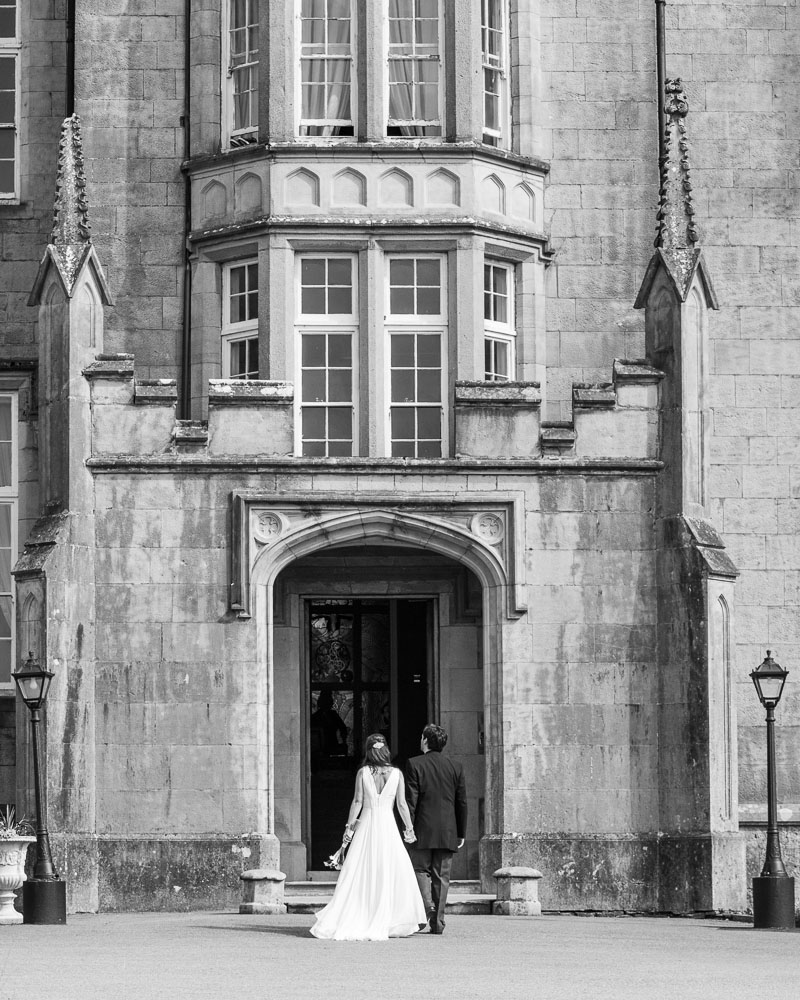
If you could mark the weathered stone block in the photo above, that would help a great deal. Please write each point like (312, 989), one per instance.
(262, 891)
(517, 892)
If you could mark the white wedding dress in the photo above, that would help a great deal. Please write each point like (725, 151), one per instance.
(376, 896)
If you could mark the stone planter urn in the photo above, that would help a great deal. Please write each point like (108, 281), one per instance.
(13, 852)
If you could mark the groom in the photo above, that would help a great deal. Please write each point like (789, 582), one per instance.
(437, 800)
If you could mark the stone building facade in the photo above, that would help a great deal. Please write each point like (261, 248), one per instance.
(346, 390)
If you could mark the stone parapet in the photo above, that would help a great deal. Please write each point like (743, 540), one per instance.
(497, 419)
(254, 418)
(156, 392)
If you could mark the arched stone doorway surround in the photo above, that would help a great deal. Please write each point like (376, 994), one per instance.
(483, 536)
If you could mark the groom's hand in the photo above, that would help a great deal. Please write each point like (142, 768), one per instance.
(460, 844)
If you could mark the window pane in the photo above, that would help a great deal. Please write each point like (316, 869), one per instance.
(314, 387)
(313, 301)
(340, 424)
(5, 661)
(403, 386)
(403, 449)
(340, 271)
(340, 351)
(429, 423)
(402, 423)
(5, 526)
(403, 350)
(5, 617)
(428, 303)
(429, 449)
(5, 419)
(313, 422)
(6, 144)
(312, 271)
(314, 449)
(429, 386)
(339, 386)
(340, 449)
(401, 272)
(7, 75)
(5, 570)
(7, 27)
(428, 272)
(340, 301)
(428, 352)
(313, 350)
(401, 301)
(501, 353)
(5, 464)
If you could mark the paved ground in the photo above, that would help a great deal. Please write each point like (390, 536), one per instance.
(224, 956)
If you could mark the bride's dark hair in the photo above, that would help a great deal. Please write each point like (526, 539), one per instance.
(376, 751)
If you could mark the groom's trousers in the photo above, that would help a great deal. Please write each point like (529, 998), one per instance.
(432, 868)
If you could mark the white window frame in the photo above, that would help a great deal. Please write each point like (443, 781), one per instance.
(439, 59)
(327, 323)
(248, 134)
(299, 57)
(10, 49)
(405, 323)
(9, 497)
(497, 137)
(233, 333)
(496, 332)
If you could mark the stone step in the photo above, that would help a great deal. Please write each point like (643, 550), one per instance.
(324, 884)
(472, 904)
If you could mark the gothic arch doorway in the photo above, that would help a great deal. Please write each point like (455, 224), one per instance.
(378, 556)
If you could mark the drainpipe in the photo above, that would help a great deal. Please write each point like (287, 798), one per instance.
(69, 84)
(184, 403)
(661, 71)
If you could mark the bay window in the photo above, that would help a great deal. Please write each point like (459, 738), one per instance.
(494, 50)
(240, 320)
(9, 101)
(327, 339)
(417, 343)
(242, 71)
(414, 68)
(498, 315)
(327, 78)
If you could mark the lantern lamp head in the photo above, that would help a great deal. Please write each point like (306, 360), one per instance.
(33, 681)
(769, 678)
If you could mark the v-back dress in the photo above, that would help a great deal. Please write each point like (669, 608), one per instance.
(376, 896)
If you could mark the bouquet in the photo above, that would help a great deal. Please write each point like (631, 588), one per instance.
(336, 860)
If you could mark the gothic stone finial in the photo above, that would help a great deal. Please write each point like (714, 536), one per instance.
(676, 233)
(70, 237)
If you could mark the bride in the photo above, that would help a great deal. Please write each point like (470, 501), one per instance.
(377, 895)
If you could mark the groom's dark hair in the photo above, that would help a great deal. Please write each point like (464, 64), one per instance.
(435, 736)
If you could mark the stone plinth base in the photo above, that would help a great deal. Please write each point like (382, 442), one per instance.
(517, 892)
(262, 891)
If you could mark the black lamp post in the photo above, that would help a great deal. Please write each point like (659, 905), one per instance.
(44, 897)
(773, 892)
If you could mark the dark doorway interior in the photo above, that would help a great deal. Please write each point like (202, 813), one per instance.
(369, 666)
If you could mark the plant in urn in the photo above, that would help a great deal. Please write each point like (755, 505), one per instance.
(14, 839)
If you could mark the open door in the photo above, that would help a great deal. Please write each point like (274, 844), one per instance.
(369, 666)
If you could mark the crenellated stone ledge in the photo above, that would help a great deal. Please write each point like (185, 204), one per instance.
(600, 394)
(497, 419)
(110, 366)
(190, 432)
(558, 438)
(156, 392)
(498, 393)
(249, 392)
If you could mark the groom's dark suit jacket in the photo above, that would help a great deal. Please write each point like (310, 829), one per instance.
(437, 799)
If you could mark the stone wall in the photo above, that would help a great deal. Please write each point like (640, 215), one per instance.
(738, 63)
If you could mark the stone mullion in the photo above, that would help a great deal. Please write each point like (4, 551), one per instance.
(463, 76)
